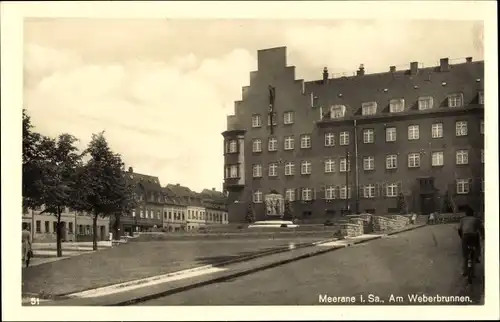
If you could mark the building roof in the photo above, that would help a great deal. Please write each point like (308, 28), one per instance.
(171, 198)
(149, 183)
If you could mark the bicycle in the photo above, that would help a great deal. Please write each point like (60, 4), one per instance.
(471, 259)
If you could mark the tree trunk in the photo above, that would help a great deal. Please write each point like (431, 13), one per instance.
(58, 233)
(117, 227)
(94, 233)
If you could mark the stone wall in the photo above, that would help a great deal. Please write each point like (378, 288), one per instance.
(350, 230)
(381, 224)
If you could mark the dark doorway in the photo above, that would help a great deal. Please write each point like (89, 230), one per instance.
(427, 204)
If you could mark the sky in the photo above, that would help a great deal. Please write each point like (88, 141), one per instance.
(161, 88)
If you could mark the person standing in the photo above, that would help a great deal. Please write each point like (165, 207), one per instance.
(26, 243)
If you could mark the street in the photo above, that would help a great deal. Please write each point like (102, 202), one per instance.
(422, 261)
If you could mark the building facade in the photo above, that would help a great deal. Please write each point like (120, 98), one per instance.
(75, 226)
(150, 202)
(215, 207)
(174, 212)
(366, 143)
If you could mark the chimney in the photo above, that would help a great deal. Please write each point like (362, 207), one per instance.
(213, 189)
(444, 66)
(325, 75)
(414, 68)
(361, 70)
(392, 69)
(468, 59)
(130, 169)
(178, 185)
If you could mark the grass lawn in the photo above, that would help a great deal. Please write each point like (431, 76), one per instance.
(136, 260)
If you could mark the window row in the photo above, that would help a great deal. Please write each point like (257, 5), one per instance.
(149, 213)
(437, 131)
(391, 162)
(396, 105)
(366, 191)
(81, 230)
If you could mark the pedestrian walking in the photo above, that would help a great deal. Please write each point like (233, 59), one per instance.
(26, 244)
(432, 218)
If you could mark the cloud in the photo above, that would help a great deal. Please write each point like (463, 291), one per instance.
(164, 118)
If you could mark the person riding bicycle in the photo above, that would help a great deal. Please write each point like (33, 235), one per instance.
(470, 231)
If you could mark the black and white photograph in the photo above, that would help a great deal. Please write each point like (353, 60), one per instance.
(184, 161)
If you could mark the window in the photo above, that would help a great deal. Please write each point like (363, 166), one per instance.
(413, 132)
(368, 108)
(462, 157)
(391, 161)
(455, 100)
(329, 139)
(275, 122)
(462, 186)
(482, 156)
(305, 167)
(481, 98)
(233, 146)
(368, 136)
(330, 192)
(329, 165)
(288, 118)
(272, 144)
(396, 105)
(256, 145)
(233, 171)
(337, 111)
(289, 143)
(273, 170)
(47, 227)
(257, 171)
(437, 130)
(141, 213)
(344, 138)
(369, 191)
(343, 163)
(425, 103)
(481, 127)
(157, 215)
(392, 190)
(289, 169)
(368, 163)
(437, 159)
(256, 120)
(414, 160)
(461, 128)
(70, 227)
(305, 141)
(344, 192)
(38, 226)
(290, 194)
(390, 134)
(307, 194)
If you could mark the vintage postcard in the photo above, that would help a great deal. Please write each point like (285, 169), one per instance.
(234, 161)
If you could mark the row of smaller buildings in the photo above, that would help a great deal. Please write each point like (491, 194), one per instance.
(173, 208)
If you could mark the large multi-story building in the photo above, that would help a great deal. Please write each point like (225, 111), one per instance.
(361, 143)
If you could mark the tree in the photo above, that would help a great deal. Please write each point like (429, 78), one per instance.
(58, 179)
(288, 215)
(32, 162)
(104, 190)
(250, 215)
(401, 204)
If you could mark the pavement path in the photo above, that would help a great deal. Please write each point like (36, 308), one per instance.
(422, 261)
